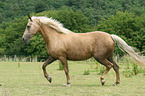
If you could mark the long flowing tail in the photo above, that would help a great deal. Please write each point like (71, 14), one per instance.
(124, 46)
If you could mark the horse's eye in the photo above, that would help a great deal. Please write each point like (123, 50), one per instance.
(28, 26)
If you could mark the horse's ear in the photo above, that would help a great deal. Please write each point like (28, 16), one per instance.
(29, 17)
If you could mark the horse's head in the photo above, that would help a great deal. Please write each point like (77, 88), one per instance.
(32, 28)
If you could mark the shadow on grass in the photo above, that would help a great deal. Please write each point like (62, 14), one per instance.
(90, 85)
(76, 85)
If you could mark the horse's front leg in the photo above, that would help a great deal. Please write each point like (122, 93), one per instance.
(47, 62)
(65, 66)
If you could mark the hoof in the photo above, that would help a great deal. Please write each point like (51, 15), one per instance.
(116, 83)
(50, 80)
(66, 85)
(103, 82)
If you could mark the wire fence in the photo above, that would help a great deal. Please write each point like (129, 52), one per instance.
(16, 58)
(36, 58)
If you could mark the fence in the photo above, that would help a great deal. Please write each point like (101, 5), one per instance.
(16, 58)
(36, 58)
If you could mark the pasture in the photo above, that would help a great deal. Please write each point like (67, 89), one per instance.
(26, 79)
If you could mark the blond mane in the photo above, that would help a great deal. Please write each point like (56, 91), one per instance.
(53, 24)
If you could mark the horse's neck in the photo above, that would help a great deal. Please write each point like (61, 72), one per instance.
(49, 34)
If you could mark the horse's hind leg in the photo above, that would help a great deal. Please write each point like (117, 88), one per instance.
(116, 69)
(108, 66)
(47, 62)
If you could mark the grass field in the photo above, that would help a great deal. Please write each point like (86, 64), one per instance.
(26, 79)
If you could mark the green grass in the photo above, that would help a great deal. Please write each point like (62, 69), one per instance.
(26, 79)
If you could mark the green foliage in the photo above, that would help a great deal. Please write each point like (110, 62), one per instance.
(93, 9)
(135, 69)
(60, 66)
(101, 70)
(12, 41)
(74, 21)
(131, 67)
(86, 72)
(19, 65)
(125, 18)
(127, 26)
(128, 71)
(37, 46)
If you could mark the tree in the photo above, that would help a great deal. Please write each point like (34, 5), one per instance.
(12, 42)
(77, 16)
(128, 26)
(74, 21)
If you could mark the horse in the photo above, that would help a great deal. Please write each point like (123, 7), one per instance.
(63, 44)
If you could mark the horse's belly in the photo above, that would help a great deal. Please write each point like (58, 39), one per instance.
(78, 57)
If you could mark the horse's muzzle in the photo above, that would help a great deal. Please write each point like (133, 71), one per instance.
(25, 40)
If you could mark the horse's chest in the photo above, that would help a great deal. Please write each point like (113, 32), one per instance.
(56, 52)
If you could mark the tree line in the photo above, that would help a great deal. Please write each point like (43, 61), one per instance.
(125, 18)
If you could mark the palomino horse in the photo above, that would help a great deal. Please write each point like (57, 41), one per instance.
(63, 44)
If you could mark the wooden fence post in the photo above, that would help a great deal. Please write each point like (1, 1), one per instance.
(14, 58)
(5, 57)
(36, 58)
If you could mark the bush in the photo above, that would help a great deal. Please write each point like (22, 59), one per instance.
(127, 26)
(86, 72)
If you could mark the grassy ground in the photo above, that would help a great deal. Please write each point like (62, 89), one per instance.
(26, 79)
